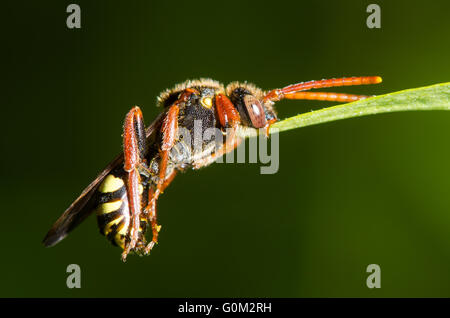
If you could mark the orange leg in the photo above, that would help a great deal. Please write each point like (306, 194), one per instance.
(169, 130)
(134, 149)
(267, 127)
(154, 219)
(227, 113)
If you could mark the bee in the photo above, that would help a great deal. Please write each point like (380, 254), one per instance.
(125, 193)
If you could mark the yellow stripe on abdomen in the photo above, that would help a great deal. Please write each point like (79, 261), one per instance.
(111, 184)
(109, 207)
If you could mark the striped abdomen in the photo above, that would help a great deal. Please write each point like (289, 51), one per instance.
(113, 214)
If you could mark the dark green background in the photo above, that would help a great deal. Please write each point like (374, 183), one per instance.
(348, 193)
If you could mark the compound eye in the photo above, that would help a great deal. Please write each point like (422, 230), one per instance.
(255, 111)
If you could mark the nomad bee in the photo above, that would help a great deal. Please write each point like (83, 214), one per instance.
(124, 194)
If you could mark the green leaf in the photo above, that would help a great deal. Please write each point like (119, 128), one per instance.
(435, 97)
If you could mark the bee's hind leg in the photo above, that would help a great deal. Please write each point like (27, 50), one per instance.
(134, 146)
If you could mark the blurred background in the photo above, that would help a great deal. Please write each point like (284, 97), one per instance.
(372, 190)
